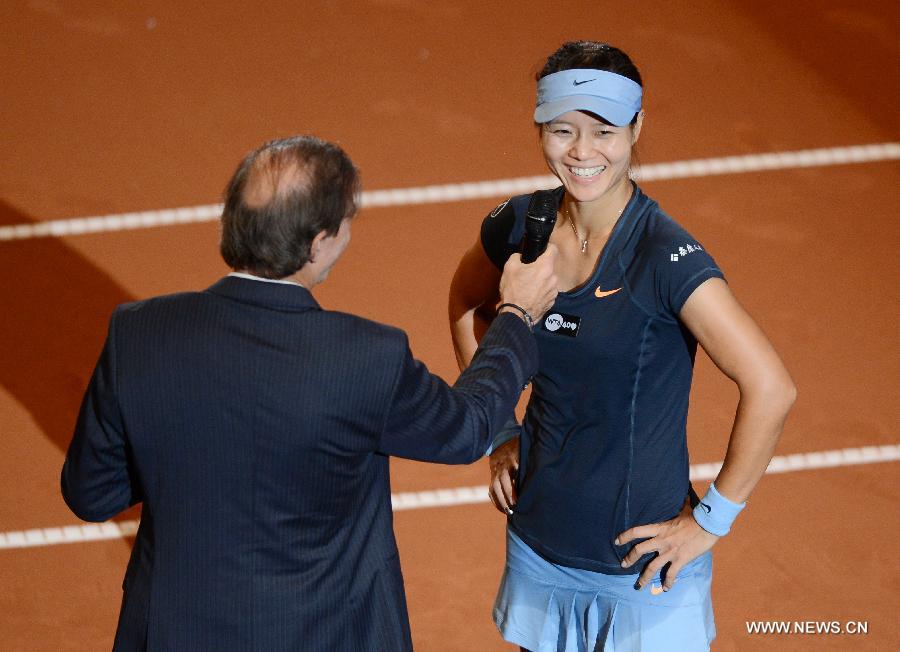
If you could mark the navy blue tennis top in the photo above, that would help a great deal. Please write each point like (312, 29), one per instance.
(603, 445)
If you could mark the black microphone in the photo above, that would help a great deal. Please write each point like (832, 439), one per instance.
(539, 222)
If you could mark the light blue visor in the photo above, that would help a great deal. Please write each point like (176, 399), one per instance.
(612, 97)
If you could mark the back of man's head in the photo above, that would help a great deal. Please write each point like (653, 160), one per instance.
(281, 196)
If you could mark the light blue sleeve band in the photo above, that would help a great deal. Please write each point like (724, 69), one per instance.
(715, 513)
(507, 432)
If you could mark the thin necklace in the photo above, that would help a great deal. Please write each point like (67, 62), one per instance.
(584, 241)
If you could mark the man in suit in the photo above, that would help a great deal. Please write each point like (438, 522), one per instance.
(255, 428)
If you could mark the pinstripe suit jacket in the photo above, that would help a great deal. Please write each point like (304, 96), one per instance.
(255, 428)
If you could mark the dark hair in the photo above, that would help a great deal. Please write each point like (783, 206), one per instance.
(281, 196)
(591, 54)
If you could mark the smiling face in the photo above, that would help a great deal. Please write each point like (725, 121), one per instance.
(590, 157)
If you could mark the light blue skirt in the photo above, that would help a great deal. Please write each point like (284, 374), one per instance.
(544, 607)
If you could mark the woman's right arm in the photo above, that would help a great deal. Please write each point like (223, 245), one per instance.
(474, 293)
(473, 299)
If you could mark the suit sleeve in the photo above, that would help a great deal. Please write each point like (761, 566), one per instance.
(430, 421)
(96, 478)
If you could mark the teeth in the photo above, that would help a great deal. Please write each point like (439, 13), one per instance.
(587, 172)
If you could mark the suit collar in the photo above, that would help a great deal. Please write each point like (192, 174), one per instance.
(277, 296)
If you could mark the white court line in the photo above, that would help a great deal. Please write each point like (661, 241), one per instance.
(454, 192)
(458, 496)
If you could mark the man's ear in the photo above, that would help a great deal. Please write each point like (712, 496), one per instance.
(315, 244)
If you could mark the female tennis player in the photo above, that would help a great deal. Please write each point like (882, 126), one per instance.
(595, 480)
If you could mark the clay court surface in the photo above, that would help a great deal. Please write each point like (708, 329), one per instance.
(111, 108)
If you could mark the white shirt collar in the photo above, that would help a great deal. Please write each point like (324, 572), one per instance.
(251, 277)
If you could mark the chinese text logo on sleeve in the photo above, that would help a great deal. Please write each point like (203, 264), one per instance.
(684, 251)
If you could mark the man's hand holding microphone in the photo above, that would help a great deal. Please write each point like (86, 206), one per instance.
(529, 289)
(529, 284)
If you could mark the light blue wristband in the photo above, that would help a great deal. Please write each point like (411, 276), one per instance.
(715, 513)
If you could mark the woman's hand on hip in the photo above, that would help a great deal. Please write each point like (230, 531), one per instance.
(676, 542)
(504, 464)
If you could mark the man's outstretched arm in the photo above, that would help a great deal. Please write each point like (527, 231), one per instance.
(430, 421)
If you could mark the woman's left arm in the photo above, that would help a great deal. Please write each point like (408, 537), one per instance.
(742, 352)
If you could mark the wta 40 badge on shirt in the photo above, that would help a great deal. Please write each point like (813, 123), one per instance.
(559, 323)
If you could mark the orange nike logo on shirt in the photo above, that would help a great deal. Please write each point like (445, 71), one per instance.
(604, 293)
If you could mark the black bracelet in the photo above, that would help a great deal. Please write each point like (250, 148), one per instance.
(528, 320)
